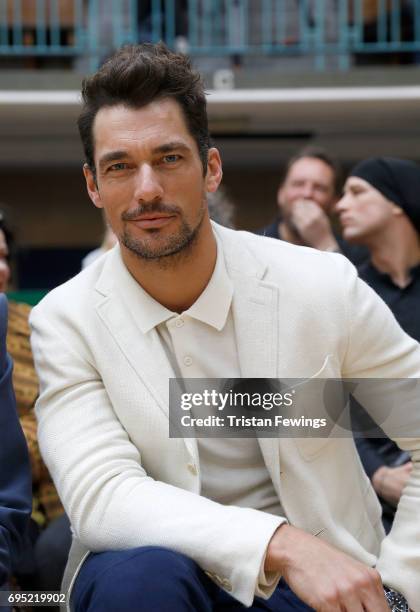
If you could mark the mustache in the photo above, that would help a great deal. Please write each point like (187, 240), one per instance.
(156, 207)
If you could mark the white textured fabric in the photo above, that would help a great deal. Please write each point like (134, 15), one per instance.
(103, 415)
(232, 471)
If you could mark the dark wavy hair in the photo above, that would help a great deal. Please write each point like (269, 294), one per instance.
(137, 75)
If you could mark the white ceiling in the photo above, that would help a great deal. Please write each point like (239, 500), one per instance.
(251, 127)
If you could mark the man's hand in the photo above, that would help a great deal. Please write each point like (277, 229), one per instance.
(323, 577)
(389, 482)
(313, 226)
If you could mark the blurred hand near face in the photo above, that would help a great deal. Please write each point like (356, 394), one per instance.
(313, 226)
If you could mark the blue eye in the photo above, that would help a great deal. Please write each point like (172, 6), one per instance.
(171, 159)
(118, 166)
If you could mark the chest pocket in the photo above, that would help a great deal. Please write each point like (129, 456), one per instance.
(318, 400)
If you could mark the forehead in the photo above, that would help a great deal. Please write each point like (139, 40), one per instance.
(375, 196)
(311, 168)
(121, 127)
(355, 181)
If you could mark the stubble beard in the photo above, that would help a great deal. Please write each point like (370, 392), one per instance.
(166, 251)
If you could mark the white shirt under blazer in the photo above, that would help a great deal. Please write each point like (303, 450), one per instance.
(103, 415)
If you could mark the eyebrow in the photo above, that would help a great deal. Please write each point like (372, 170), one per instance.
(170, 146)
(112, 156)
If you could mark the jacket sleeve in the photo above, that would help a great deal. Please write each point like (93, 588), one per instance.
(15, 476)
(368, 448)
(377, 348)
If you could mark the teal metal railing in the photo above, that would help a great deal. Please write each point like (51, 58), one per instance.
(315, 28)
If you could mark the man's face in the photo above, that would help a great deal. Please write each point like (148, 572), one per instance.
(150, 178)
(4, 265)
(364, 212)
(308, 179)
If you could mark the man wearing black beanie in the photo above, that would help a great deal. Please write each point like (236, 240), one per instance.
(381, 210)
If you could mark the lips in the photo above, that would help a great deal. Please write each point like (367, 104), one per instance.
(153, 221)
(345, 221)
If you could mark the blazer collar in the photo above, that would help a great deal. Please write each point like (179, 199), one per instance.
(255, 307)
(121, 309)
(255, 311)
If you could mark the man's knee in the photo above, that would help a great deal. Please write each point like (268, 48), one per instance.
(142, 578)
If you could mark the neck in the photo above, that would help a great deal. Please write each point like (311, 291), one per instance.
(287, 233)
(395, 252)
(177, 281)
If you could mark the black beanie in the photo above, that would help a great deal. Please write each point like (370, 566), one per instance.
(397, 179)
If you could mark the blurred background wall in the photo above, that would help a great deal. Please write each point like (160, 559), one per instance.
(281, 74)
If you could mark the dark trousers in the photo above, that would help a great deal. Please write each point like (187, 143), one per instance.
(152, 578)
(51, 552)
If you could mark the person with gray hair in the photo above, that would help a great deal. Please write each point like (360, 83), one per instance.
(306, 197)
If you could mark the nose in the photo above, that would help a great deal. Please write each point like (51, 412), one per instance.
(308, 191)
(342, 204)
(148, 185)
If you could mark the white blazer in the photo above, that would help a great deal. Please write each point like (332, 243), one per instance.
(103, 415)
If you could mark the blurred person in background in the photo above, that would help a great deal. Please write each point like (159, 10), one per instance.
(221, 208)
(109, 240)
(382, 22)
(152, 18)
(15, 475)
(380, 209)
(305, 198)
(42, 565)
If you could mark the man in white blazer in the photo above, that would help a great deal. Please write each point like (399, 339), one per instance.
(179, 524)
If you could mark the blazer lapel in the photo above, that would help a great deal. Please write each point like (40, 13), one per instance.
(255, 309)
(120, 310)
(256, 313)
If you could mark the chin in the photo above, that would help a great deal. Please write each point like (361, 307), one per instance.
(353, 237)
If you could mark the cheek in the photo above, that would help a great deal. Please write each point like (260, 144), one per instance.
(185, 187)
(371, 214)
(324, 201)
(287, 199)
(115, 197)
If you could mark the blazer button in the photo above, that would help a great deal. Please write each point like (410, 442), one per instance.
(193, 468)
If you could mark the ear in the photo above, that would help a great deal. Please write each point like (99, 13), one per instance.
(397, 211)
(92, 187)
(214, 170)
